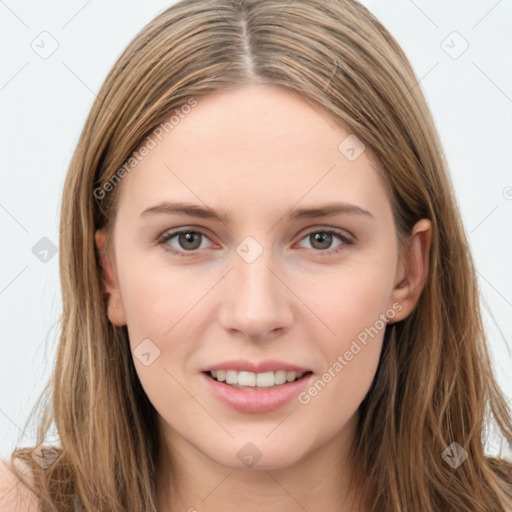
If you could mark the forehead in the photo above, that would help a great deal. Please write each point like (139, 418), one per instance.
(258, 146)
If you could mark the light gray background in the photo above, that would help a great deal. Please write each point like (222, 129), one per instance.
(44, 102)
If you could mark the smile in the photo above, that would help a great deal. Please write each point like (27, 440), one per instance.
(255, 393)
(243, 379)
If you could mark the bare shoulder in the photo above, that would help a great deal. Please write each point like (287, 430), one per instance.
(15, 496)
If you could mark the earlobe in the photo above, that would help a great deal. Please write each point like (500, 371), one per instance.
(413, 269)
(115, 308)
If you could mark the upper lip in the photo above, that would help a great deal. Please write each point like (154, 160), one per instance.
(259, 367)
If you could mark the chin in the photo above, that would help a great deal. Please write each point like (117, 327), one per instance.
(257, 453)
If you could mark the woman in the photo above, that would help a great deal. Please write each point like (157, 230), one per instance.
(250, 371)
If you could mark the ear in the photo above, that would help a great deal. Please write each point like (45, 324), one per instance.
(412, 272)
(115, 308)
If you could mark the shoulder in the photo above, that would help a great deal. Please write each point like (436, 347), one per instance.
(15, 496)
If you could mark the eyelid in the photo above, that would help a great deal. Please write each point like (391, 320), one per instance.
(339, 231)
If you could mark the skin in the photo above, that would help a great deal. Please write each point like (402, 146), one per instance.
(257, 152)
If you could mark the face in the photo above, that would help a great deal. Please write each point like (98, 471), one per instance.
(269, 289)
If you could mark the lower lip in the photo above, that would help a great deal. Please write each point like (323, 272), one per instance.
(256, 401)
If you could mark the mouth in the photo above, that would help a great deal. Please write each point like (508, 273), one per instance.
(256, 381)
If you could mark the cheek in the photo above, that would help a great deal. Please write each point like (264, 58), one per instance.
(352, 307)
(151, 304)
(166, 305)
(153, 291)
(159, 305)
(350, 355)
(353, 299)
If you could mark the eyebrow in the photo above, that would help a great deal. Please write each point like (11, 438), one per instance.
(205, 212)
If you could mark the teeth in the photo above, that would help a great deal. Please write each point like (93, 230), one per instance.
(250, 379)
(231, 377)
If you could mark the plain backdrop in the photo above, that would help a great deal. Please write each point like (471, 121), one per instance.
(460, 50)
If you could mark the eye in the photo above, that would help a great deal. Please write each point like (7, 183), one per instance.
(190, 241)
(321, 239)
(187, 238)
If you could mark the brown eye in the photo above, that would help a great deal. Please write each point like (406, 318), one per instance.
(188, 241)
(321, 240)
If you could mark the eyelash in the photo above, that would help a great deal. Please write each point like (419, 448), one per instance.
(163, 239)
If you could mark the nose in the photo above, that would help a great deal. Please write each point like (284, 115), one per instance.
(256, 301)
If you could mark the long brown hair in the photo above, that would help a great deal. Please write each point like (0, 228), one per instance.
(434, 385)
